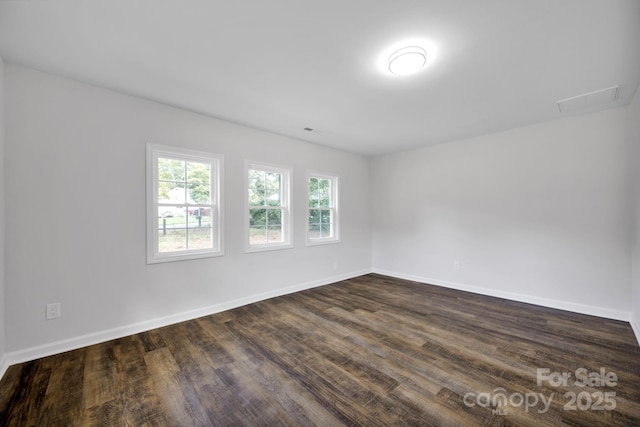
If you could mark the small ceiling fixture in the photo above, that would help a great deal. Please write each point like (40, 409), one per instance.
(588, 100)
(407, 60)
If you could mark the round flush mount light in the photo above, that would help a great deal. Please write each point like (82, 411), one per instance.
(407, 60)
(407, 56)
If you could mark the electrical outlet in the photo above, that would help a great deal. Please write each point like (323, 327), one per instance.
(457, 265)
(53, 310)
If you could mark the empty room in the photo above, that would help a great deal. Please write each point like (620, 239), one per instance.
(336, 213)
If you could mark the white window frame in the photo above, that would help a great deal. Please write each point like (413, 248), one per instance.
(216, 161)
(287, 217)
(334, 207)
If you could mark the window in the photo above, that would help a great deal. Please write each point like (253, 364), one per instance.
(268, 219)
(322, 221)
(183, 204)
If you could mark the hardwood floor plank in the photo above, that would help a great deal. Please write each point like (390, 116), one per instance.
(100, 375)
(22, 405)
(203, 385)
(138, 399)
(289, 394)
(369, 351)
(152, 340)
(62, 402)
(169, 385)
(327, 384)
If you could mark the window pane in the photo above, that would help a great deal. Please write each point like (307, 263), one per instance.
(274, 234)
(256, 197)
(170, 240)
(256, 179)
(273, 189)
(257, 193)
(257, 217)
(325, 230)
(314, 223)
(198, 172)
(200, 238)
(314, 216)
(199, 182)
(314, 230)
(170, 169)
(325, 216)
(274, 217)
(257, 235)
(200, 217)
(325, 223)
(320, 223)
(172, 192)
(167, 194)
(172, 217)
(324, 193)
(313, 192)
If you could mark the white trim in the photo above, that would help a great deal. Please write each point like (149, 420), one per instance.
(286, 205)
(636, 330)
(216, 161)
(4, 365)
(74, 343)
(591, 310)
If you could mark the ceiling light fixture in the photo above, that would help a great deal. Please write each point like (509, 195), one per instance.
(407, 60)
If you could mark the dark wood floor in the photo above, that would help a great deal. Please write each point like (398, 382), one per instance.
(371, 351)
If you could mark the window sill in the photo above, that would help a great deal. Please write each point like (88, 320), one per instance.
(266, 248)
(321, 242)
(159, 259)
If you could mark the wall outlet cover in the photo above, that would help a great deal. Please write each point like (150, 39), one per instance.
(53, 311)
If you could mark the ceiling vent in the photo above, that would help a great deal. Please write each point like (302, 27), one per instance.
(589, 100)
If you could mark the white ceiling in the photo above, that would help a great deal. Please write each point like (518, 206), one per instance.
(283, 65)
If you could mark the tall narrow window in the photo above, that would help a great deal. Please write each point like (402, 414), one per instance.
(322, 220)
(268, 218)
(183, 204)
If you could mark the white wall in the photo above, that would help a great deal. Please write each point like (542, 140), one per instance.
(634, 124)
(76, 214)
(538, 214)
(2, 195)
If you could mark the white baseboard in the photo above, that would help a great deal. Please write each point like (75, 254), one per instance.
(74, 343)
(607, 313)
(636, 330)
(4, 365)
